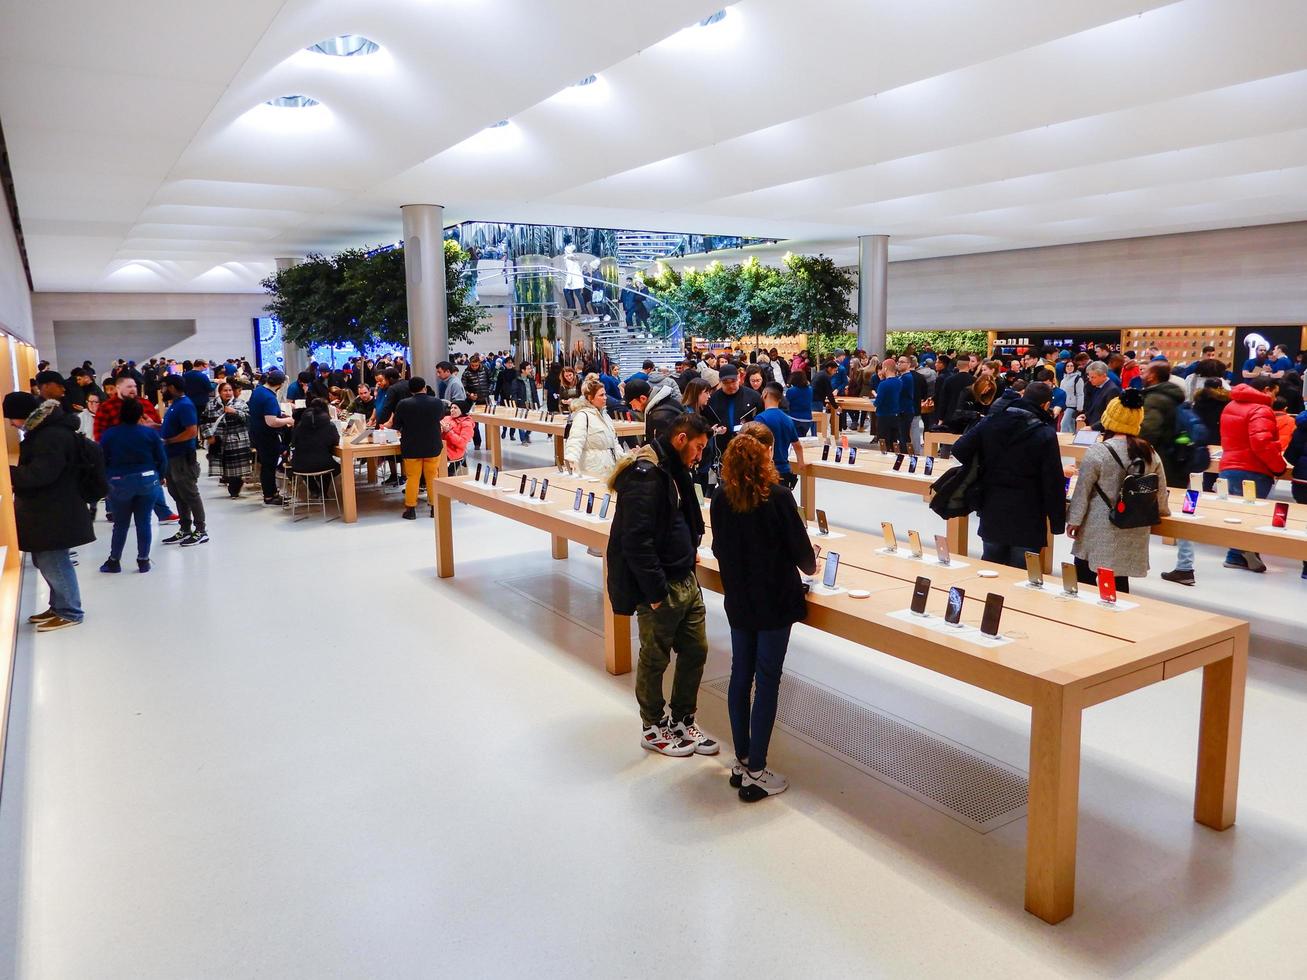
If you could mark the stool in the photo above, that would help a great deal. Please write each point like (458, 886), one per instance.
(305, 480)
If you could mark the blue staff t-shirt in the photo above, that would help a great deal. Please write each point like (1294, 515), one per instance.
(181, 415)
(784, 435)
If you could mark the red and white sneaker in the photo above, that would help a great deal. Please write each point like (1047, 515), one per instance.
(688, 730)
(660, 738)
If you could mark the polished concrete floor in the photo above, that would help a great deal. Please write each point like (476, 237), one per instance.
(296, 753)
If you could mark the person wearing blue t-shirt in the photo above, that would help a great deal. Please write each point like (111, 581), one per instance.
(642, 374)
(799, 395)
(180, 429)
(892, 422)
(784, 433)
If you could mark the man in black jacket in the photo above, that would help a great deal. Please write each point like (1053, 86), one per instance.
(476, 383)
(417, 418)
(652, 551)
(1102, 389)
(731, 405)
(1022, 486)
(51, 516)
(949, 390)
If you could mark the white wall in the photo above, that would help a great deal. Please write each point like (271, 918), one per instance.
(15, 297)
(224, 324)
(1238, 276)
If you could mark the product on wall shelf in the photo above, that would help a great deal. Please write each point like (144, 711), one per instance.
(1181, 345)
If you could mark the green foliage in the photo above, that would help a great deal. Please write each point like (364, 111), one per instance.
(360, 298)
(972, 341)
(814, 298)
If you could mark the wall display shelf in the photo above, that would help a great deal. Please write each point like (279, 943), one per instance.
(1181, 345)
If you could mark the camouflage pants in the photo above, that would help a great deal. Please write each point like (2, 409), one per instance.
(678, 624)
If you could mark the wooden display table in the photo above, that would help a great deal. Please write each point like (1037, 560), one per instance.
(933, 441)
(494, 420)
(1059, 655)
(848, 403)
(1211, 524)
(348, 453)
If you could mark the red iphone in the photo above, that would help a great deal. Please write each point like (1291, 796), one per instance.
(1281, 516)
(1106, 585)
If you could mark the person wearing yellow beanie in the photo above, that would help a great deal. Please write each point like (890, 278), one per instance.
(1119, 418)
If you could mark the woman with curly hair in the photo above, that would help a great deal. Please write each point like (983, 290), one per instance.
(753, 512)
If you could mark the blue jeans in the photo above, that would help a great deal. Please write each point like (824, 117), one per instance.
(757, 659)
(1234, 479)
(56, 567)
(132, 496)
(1005, 554)
(1068, 423)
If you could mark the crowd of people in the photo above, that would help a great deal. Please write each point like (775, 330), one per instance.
(721, 426)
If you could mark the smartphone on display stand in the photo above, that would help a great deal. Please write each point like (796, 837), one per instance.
(1222, 489)
(853, 455)
(822, 526)
(576, 503)
(698, 492)
(844, 442)
(494, 477)
(1281, 516)
(1107, 586)
(920, 593)
(1249, 491)
(522, 486)
(993, 613)
(914, 544)
(898, 461)
(544, 487)
(839, 453)
(1190, 501)
(912, 464)
(941, 549)
(1070, 583)
(891, 542)
(531, 490)
(603, 506)
(1034, 570)
(477, 478)
(1066, 488)
(825, 452)
(590, 503)
(946, 451)
(930, 465)
(953, 611)
(832, 569)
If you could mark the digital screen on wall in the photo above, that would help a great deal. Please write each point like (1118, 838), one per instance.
(268, 347)
(1246, 339)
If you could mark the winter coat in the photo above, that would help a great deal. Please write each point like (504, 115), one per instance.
(476, 382)
(456, 436)
(1097, 400)
(663, 408)
(418, 420)
(1297, 451)
(657, 528)
(967, 411)
(312, 443)
(1100, 542)
(1023, 491)
(591, 446)
(1159, 428)
(1208, 404)
(48, 507)
(1249, 437)
(760, 553)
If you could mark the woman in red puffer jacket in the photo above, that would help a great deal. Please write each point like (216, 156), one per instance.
(1250, 450)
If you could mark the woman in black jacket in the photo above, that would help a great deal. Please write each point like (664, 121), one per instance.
(315, 437)
(764, 599)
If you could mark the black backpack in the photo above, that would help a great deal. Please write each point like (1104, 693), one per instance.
(1136, 502)
(92, 483)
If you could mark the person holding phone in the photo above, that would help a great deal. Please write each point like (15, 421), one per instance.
(1098, 542)
(731, 405)
(761, 543)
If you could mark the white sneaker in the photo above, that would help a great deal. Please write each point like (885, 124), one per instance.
(760, 785)
(660, 738)
(737, 774)
(703, 745)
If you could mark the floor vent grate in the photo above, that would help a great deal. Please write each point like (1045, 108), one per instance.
(980, 792)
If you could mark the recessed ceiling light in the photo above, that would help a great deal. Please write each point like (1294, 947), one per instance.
(293, 102)
(713, 19)
(588, 80)
(499, 125)
(346, 46)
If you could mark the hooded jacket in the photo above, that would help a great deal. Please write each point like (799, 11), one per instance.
(1297, 451)
(662, 409)
(656, 530)
(1249, 436)
(1209, 404)
(1159, 427)
(48, 506)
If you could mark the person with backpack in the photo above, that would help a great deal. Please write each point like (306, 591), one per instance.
(1120, 494)
(50, 499)
(1176, 435)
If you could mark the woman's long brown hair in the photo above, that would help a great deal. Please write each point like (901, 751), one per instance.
(748, 474)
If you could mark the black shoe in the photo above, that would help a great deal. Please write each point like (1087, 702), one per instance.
(111, 565)
(199, 537)
(177, 538)
(392, 482)
(142, 565)
(410, 514)
(1179, 577)
(277, 501)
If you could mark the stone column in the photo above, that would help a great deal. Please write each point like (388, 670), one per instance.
(424, 272)
(873, 280)
(294, 358)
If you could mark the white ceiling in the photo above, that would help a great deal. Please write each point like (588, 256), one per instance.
(144, 159)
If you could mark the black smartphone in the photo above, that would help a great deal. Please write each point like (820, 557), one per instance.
(912, 464)
(576, 504)
(1034, 570)
(992, 614)
(1070, 583)
(853, 455)
(930, 465)
(603, 506)
(494, 478)
(920, 593)
(590, 503)
(531, 491)
(477, 478)
(898, 461)
(953, 612)
(839, 453)
(544, 487)
(522, 487)
(832, 569)
(946, 451)
(822, 526)
(825, 452)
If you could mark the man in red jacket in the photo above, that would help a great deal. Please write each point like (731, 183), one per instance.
(1250, 450)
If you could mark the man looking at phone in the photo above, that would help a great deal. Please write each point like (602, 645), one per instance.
(731, 405)
(652, 551)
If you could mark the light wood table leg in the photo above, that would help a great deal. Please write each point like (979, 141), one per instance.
(808, 483)
(1054, 799)
(495, 444)
(1220, 734)
(349, 502)
(371, 464)
(617, 635)
(958, 530)
(1046, 555)
(558, 451)
(444, 536)
(558, 547)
